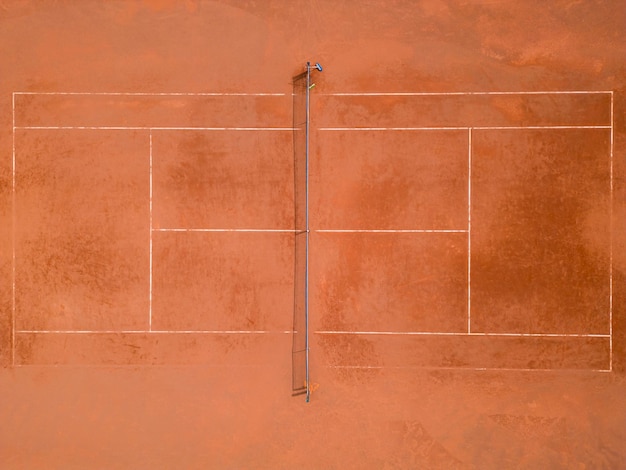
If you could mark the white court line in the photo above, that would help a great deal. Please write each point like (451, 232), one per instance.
(469, 230)
(154, 128)
(457, 128)
(372, 333)
(461, 368)
(453, 93)
(157, 128)
(252, 230)
(225, 332)
(443, 128)
(151, 332)
(143, 364)
(390, 231)
(150, 298)
(433, 333)
(13, 236)
(106, 93)
(469, 93)
(611, 238)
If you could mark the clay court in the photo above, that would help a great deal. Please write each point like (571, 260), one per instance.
(414, 260)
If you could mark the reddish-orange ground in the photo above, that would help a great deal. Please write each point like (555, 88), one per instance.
(467, 268)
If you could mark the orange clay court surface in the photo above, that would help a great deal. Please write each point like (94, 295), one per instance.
(467, 215)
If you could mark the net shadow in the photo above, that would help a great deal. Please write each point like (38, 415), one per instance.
(298, 350)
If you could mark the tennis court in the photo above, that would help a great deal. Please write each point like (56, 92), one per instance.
(212, 262)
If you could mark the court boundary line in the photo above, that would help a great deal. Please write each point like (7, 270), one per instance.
(140, 93)
(219, 230)
(154, 128)
(461, 333)
(471, 369)
(400, 93)
(469, 93)
(291, 129)
(391, 231)
(151, 232)
(469, 230)
(180, 365)
(611, 227)
(13, 235)
(350, 333)
(140, 365)
(151, 332)
(461, 128)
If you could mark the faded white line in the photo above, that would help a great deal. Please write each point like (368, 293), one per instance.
(457, 128)
(470, 93)
(391, 231)
(611, 235)
(106, 93)
(469, 231)
(13, 234)
(252, 230)
(444, 333)
(150, 294)
(151, 332)
(155, 128)
(461, 368)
